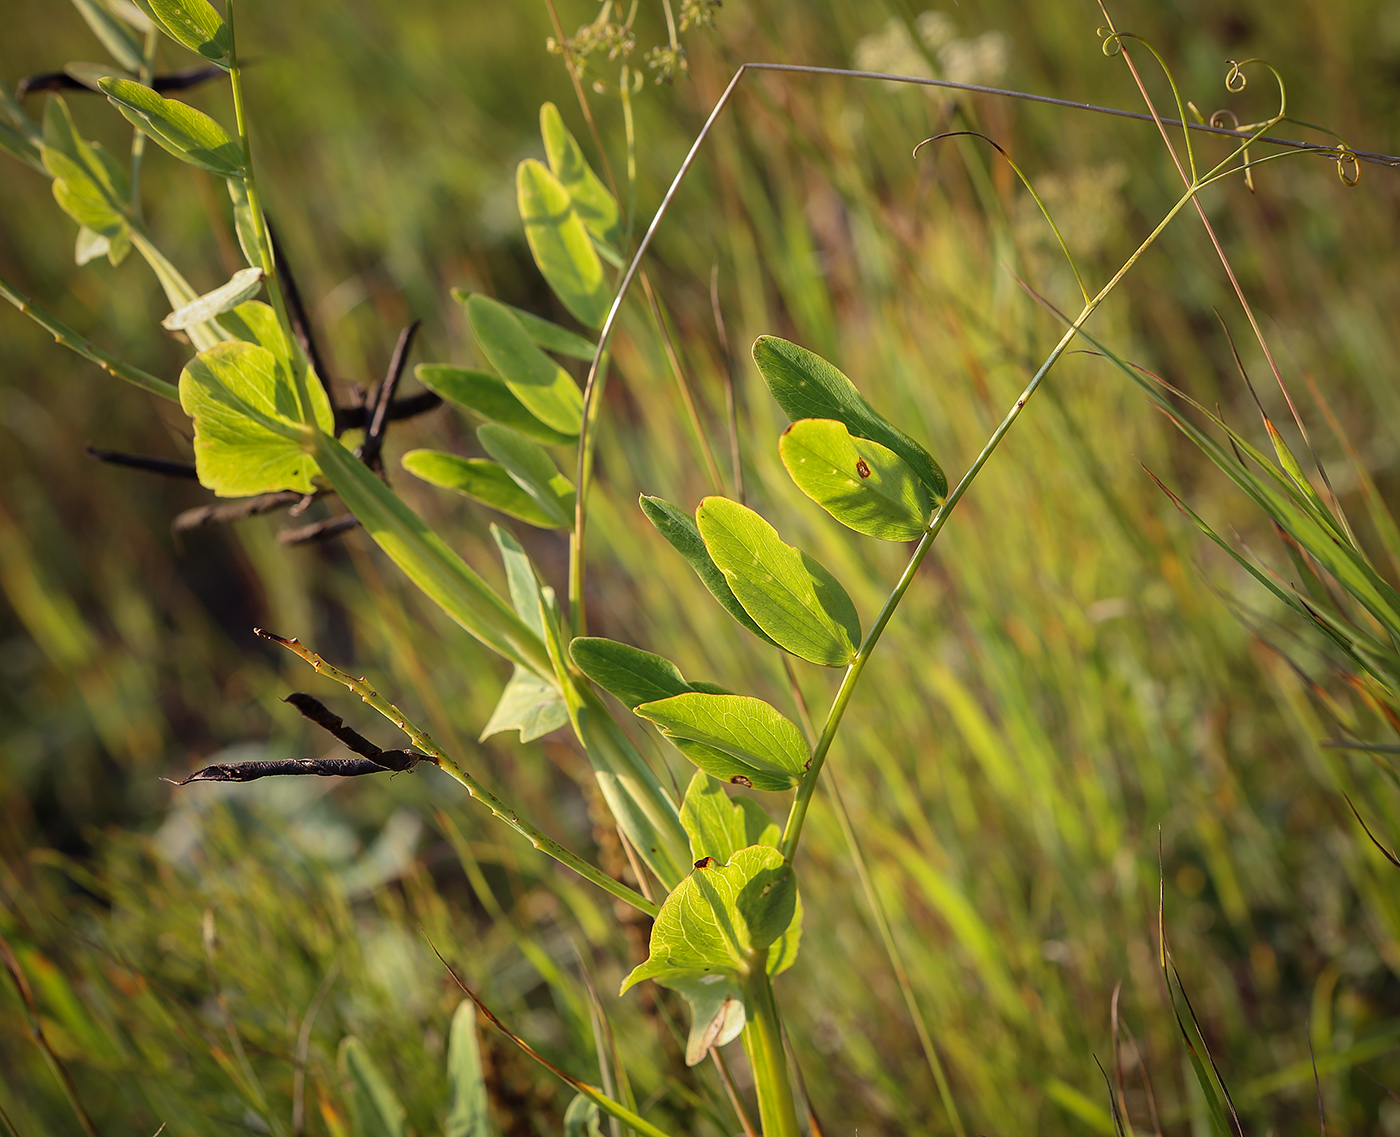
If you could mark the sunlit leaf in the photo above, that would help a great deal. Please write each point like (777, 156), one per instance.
(632, 675)
(481, 479)
(243, 286)
(560, 244)
(596, 206)
(489, 397)
(788, 594)
(194, 24)
(546, 333)
(545, 388)
(860, 483)
(88, 185)
(527, 704)
(680, 530)
(719, 825)
(256, 322)
(736, 738)
(189, 134)
(807, 386)
(533, 470)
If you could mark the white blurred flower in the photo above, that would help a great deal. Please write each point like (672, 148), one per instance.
(981, 59)
(891, 50)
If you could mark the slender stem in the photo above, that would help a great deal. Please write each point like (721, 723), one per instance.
(269, 265)
(763, 1041)
(138, 139)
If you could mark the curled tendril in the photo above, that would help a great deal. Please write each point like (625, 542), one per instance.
(1112, 41)
(1025, 181)
(1226, 119)
(1348, 168)
(1235, 79)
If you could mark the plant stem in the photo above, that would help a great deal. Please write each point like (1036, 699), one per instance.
(265, 254)
(763, 1042)
(138, 139)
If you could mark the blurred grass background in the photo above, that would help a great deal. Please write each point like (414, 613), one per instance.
(1069, 687)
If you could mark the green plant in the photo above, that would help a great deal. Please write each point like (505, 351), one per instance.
(263, 425)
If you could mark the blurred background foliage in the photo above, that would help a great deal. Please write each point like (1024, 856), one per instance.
(1076, 682)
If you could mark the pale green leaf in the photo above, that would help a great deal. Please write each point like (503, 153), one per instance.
(546, 333)
(88, 184)
(595, 205)
(470, 1113)
(807, 386)
(80, 198)
(634, 676)
(560, 244)
(717, 1013)
(527, 704)
(89, 246)
(248, 437)
(719, 825)
(243, 222)
(546, 389)
(243, 286)
(256, 322)
(374, 1108)
(859, 482)
(480, 479)
(117, 37)
(488, 396)
(533, 470)
(521, 579)
(189, 134)
(196, 25)
(788, 594)
(581, 1118)
(681, 532)
(719, 917)
(738, 738)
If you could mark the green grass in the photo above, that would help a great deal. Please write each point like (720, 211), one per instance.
(1064, 689)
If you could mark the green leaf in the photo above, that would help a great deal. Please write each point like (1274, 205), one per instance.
(480, 479)
(243, 223)
(243, 286)
(256, 322)
(80, 198)
(88, 184)
(581, 1118)
(521, 579)
(719, 825)
(116, 36)
(195, 25)
(596, 207)
(807, 386)
(720, 916)
(89, 246)
(427, 560)
(374, 1108)
(533, 470)
(490, 397)
(862, 484)
(248, 436)
(527, 704)
(536, 380)
(788, 594)
(734, 737)
(681, 532)
(633, 675)
(560, 244)
(470, 1115)
(717, 1013)
(189, 134)
(546, 333)
(16, 145)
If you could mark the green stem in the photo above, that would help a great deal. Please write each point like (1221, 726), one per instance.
(138, 140)
(269, 266)
(763, 1042)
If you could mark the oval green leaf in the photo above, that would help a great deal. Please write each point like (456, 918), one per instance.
(533, 470)
(560, 244)
(680, 530)
(487, 396)
(189, 134)
(633, 675)
(542, 385)
(859, 482)
(761, 747)
(789, 595)
(596, 206)
(807, 386)
(719, 825)
(480, 479)
(195, 25)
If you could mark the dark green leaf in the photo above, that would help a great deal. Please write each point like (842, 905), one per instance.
(807, 386)
(860, 483)
(719, 825)
(533, 470)
(681, 532)
(634, 676)
(734, 737)
(189, 134)
(788, 594)
(561, 245)
(196, 25)
(536, 380)
(479, 478)
(488, 396)
(596, 207)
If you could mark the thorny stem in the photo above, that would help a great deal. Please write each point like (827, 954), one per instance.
(265, 254)
(435, 754)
